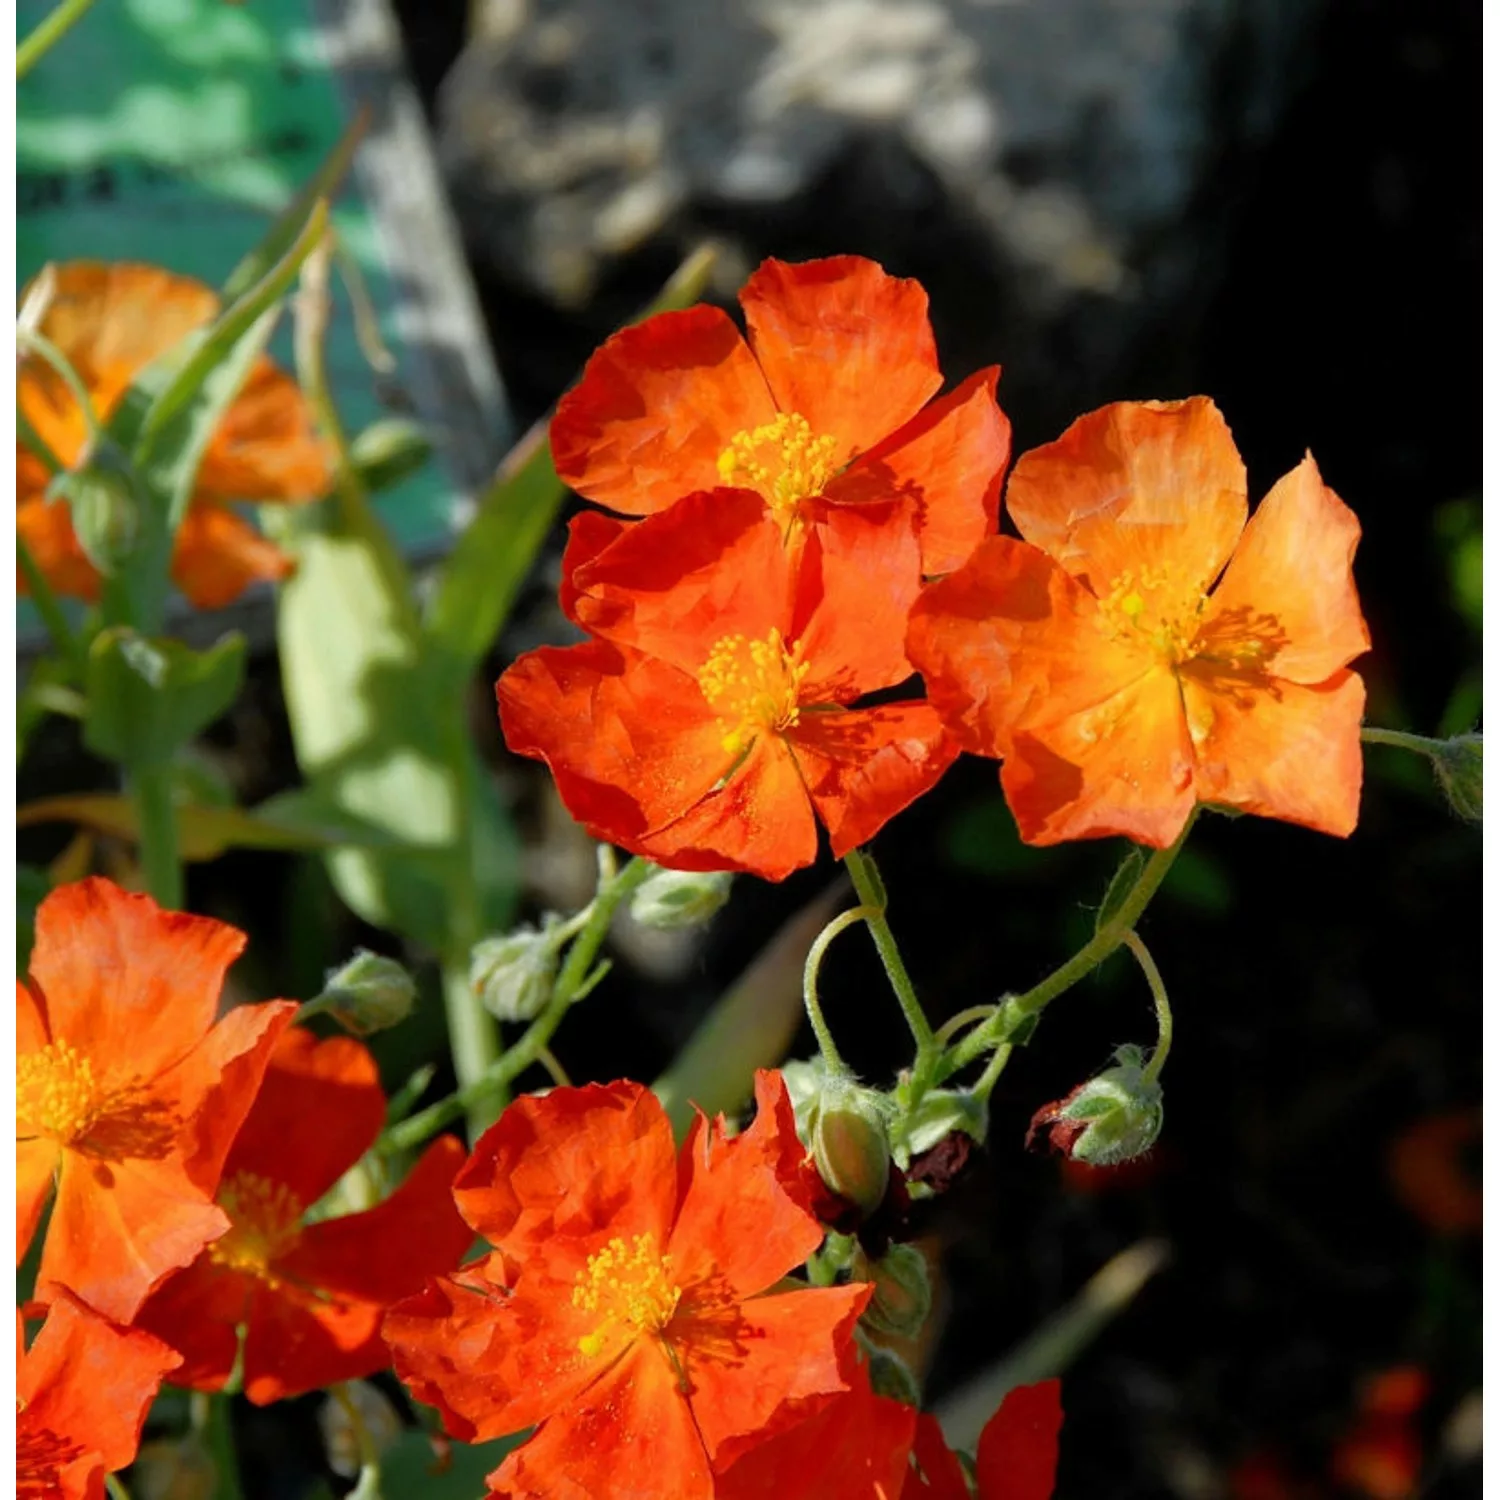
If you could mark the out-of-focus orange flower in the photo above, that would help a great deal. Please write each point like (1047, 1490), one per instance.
(825, 406)
(310, 1295)
(630, 1306)
(1017, 1455)
(82, 1391)
(1117, 682)
(127, 1092)
(711, 727)
(1429, 1176)
(111, 321)
(1380, 1457)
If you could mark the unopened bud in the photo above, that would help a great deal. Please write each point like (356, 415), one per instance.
(1458, 764)
(903, 1292)
(106, 516)
(849, 1143)
(513, 974)
(369, 993)
(1107, 1120)
(891, 1376)
(680, 898)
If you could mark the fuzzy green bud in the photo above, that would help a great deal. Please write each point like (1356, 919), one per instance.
(1458, 764)
(680, 898)
(369, 993)
(849, 1143)
(891, 1376)
(513, 975)
(903, 1292)
(1109, 1119)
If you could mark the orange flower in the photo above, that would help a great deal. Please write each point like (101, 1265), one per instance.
(111, 321)
(1428, 1173)
(1017, 1457)
(127, 1093)
(1117, 683)
(310, 1295)
(712, 726)
(826, 405)
(1380, 1457)
(631, 1305)
(82, 1391)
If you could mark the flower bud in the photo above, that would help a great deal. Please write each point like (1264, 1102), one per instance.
(513, 974)
(903, 1292)
(680, 898)
(106, 517)
(1107, 1120)
(849, 1143)
(891, 1376)
(368, 994)
(1458, 764)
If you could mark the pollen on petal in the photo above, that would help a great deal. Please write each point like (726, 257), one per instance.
(753, 686)
(783, 459)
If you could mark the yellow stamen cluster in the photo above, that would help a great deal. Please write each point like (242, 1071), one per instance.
(266, 1222)
(1152, 608)
(782, 459)
(631, 1285)
(752, 686)
(57, 1093)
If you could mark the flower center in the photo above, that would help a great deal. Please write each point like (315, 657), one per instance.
(782, 459)
(631, 1286)
(40, 1456)
(1152, 608)
(266, 1222)
(752, 686)
(57, 1094)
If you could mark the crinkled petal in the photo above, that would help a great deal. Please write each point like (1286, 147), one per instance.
(267, 446)
(218, 555)
(1288, 592)
(865, 765)
(629, 1437)
(1153, 488)
(657, 405)
(950, 459)
(573, 1164)
(1278, 749)
(1017, 1454)
(755, 1369)
(589, 533)
(844, 345)
(46, 526)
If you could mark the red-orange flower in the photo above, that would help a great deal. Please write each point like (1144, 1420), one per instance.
(82, 1391)
(1017, 1455)
(826, 405)
(1119, 685)
(1428, 1172)
(1380, 1457)
(127, 1092)
(309, 1295)
(712, 726)
(632, 1304)
(111, 321)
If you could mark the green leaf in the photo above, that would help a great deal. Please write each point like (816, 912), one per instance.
(388, 451)
(1127, 875)
(411, 1467)
(147, 698)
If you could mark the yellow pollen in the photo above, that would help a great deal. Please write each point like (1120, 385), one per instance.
(782, 459)
(265, 1223)
(1152, 608)
(631, 1286)
(57, 1094)
(752, 686)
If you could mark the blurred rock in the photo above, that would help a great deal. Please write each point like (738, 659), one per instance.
(1025, 157)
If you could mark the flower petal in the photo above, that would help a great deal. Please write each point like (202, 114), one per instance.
(1279, 749)
(197, 1311)
(36, 1172)
(863, 766)
(1145, 487)
(1017, 1454)
(1290, 582)
(629, 1437)
(46, 526)
(657, 405)
(936, 1473)
(574, 1164)
(844, 345)
(299, 1343)
(589, 533)
(267, 445)
(218, 555)
(951, 458)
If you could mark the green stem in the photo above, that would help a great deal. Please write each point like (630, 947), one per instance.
(1419, 743)
(68, 645)
(474, 1041)
(116, 1487)
(871, 892)
(211, 1420)
(810, 1001)
(1163, 1009)
(992, 1071)
(968, 1017)
(151, 790)
(1020, 1008)
(575, 981)
(48, 32)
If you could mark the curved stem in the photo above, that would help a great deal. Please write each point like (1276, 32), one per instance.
(1163, 1009)
(1019, 1008)
(871, 891)
(992, 1071)
(840, 923)
(955, 1024)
